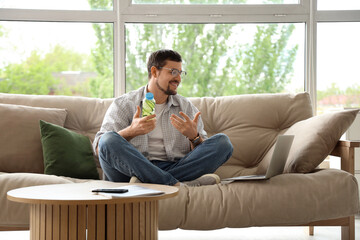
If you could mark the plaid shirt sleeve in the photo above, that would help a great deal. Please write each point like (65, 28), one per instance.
(119, 115)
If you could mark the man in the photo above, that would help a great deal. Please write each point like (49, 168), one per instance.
(169, 147)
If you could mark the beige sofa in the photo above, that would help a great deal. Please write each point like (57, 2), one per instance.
(304, 195)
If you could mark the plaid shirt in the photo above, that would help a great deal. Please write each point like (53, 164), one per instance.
(122, 110)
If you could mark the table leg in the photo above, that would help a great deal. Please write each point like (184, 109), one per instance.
(57, 222)
(123, 221)
(133, 221)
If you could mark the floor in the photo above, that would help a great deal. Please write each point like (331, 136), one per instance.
(263, 233)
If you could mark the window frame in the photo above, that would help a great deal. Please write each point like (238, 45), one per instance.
(125, 12)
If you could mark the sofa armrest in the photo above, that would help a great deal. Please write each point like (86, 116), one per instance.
(345, 150)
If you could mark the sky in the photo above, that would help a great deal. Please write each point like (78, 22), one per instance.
(24, 37)
(338, 5)
(338, 57)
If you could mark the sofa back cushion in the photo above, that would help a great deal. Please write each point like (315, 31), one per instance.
(20, 136)
(253, 123)
(84, 115)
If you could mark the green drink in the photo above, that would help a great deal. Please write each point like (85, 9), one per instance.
(148, 105)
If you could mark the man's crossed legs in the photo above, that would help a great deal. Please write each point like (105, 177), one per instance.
(120, 160)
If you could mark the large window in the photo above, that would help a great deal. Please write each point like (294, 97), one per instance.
(228, 46)
(222, 59)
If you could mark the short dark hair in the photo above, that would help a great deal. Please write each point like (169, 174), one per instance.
(158, 59)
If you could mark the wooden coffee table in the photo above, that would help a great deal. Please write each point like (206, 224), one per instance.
(71, 211)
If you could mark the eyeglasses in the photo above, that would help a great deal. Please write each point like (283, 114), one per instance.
(175, 72)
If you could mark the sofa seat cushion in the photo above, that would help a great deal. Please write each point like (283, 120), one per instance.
(20, 136)
(15, 214)
(279, 201)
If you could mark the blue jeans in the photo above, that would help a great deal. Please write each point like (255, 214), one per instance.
(120, 160)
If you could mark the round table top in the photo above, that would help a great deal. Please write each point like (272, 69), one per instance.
(80, 193)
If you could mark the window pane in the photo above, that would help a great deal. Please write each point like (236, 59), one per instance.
(338, 5)
(56, 58)
(222, 59)
(58, 4)
(338, 79)
(216, 1)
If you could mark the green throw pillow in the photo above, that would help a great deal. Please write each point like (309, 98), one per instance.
(67, 153)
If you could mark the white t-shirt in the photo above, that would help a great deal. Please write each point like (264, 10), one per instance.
(156, 138)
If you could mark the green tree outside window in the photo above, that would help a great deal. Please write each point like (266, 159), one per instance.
(216, 66)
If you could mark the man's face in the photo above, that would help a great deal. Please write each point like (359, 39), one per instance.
(165, 81)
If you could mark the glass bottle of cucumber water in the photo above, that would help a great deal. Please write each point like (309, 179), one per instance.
(148, 105)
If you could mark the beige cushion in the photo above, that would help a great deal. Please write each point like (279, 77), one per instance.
(20, 136)
(239, 204)
(84, 115)
(315, 138)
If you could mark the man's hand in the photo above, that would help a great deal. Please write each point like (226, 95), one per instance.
(139, 125)
(186, 126)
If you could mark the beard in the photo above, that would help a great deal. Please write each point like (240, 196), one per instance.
(167, 91)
